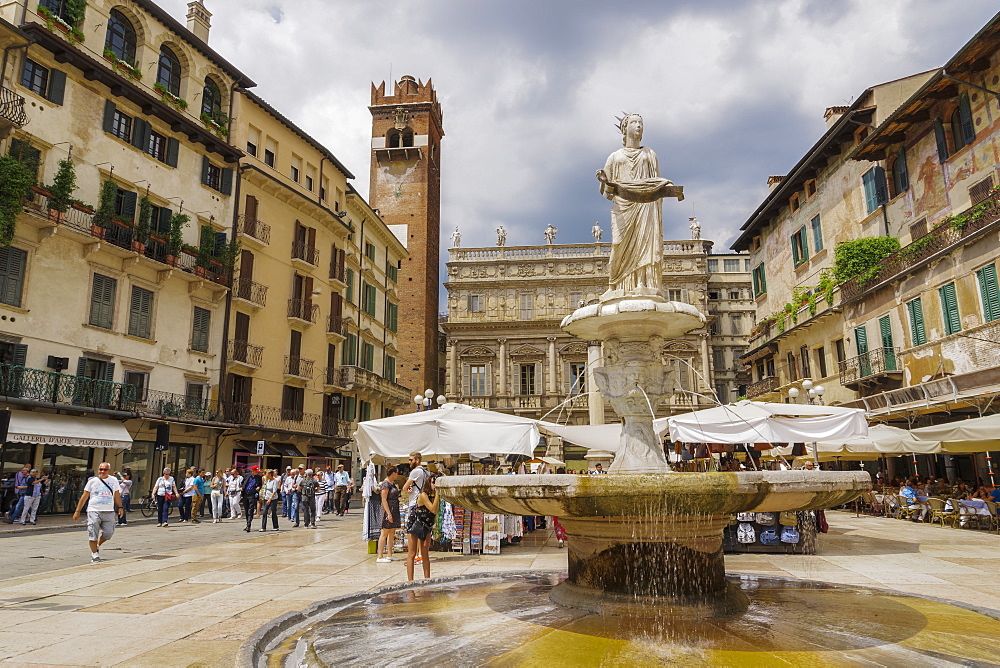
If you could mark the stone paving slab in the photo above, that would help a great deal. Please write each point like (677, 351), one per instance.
(191, 608)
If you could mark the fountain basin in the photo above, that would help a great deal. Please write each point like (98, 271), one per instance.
(651, 544)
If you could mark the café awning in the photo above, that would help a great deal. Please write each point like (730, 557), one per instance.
(78, 432)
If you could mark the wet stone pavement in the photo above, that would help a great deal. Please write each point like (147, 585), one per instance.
(191, 594)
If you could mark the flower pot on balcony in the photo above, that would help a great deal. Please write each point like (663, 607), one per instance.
(138, 247)
(172, 260)
(200, 272)
(55, 215)
(97, 231)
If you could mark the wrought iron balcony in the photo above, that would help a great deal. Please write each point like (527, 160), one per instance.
(337, 428)
(12, 108)
(305, 252)
(254, 228)
(762, 386)
(939, 240)
(871, 365)
(355, 377)
(336, 324)
(250, 291)
(180, 406)
(331, 376)
(272, 417)
(299, 367)
(22, 384)
(245, 353)
(303, 309)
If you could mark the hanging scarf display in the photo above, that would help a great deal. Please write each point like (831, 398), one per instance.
(371, 525)
(448, 528)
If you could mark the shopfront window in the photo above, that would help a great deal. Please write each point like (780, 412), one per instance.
(69, 467)
(179, 458)
(137, 458)
(12, 457)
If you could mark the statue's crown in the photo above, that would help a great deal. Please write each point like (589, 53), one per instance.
(623, 120)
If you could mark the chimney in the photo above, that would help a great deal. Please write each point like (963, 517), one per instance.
(199, 20)
(833, 114)
(773, 181)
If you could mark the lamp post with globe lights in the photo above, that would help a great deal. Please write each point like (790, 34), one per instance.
(425, 400)
(814, 394)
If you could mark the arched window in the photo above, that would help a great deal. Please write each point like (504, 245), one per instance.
(211, 99)
(168, 73)
(963, 130)
(120, 39)
(408, 137)
(393, 139)
(900, 177)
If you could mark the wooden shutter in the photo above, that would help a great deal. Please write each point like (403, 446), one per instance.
(242, 329)
(311, 239)
(19, 355)
(861, 339)
(226, 182)
(140, 133)
(246, 264)
(363, 290)
(904, 175)
(885, 330)
(949, 309)
(81, 367)
(12, 263)
(350, 285)
(295, 344)
(250, 208)
(102, 299)
(57, 86)
(140, 313)
(881, 186)
(988, 290)
(109, 372)
(336, 304)
(917, 331)
(173, 147)
(205, 164)
(162, 221)
(941, 140)
(968, 126)
(109, 115)
(817, 230)
(466, 380)
(795, 248)
(129, 201)
(307, 298)
(200, 329)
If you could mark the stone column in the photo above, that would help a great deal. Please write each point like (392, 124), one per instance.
(705, 379)
(503, 367)
(553, 389)
(595, 402)
(454, 382)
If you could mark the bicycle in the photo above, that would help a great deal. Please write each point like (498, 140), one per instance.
(147, 505)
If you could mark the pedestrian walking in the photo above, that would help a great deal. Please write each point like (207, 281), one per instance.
(20, 489)
(188, 492)
(165, 491)
(321, 491)
(125, 483)
(250, 494)
(102, 496)
(390, 521)
(285, 499)
(295, 496)
(341, 481)
(205, 487)
(217, 488)
(194, 509)
(33, 497)
(269, 498)
(307, 503)
(331, 484)
(234, 489)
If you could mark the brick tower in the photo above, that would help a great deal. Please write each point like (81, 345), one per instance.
(405, 187)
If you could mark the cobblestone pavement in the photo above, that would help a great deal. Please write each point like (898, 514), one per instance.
(190, 595)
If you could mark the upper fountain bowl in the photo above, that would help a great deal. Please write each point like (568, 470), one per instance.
(654, 493)
(633, 318)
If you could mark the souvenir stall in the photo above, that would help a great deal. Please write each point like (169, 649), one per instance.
(447, 433)
(750, 422)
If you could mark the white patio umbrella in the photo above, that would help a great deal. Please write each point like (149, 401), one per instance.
(760, 422)
(980, 434)
(452, 429)
(882, 441)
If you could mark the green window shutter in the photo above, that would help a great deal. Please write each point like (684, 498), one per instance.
(363, 293)
(162, 221)
(57, 86)
(109, 115)
(140, 133)
(885, 330)
(200, 329)
(988, 290)
(868, 181)
(109, 372)
(205, 164)
(917, 331)
(803, 243)
(129, 201)
(19, 356)
(102, 300)
(817, 231)
(226, 182)
(350, 285)
(172, 147)
(949, 309)
(861, 339)
(968, 126)
(12, 266)
(881, 187)
(941, 140)
(81, 367)
(795, 248)
(140, 313)
(904, 174)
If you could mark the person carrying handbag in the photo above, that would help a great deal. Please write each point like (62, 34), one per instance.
(165, 491)
(419, 526)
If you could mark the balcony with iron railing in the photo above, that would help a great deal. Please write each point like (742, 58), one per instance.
(337, 325)
(299, 367)
(303, 309)
(180, 407)
(12, 109)
(303, 251)
(961, 228)
(355, 377)
(872, 366)
(243, 352)
(20, 384)
(331, 376)
(253, 228)
(272, 417)
(762, 386)
(250, 291)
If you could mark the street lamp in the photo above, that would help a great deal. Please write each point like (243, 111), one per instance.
(424, 401)
(814, 393)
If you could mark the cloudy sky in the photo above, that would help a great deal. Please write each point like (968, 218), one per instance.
(731, 90)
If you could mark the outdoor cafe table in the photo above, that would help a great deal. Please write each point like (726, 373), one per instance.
(978, 504)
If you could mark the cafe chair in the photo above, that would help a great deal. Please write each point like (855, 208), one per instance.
(937, 512)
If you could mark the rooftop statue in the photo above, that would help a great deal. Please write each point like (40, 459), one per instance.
(631, 180)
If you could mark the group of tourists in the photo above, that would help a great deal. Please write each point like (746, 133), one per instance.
(420, 490)
(917, 490)
(301, 494)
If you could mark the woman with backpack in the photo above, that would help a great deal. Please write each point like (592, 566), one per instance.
(419, 527)
(165, 490)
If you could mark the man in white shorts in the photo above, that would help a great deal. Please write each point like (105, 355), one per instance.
(103, 499)
(234, 488)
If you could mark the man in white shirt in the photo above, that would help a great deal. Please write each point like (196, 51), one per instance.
(415, 482)
(234, 487)
(103, 498)
(341, 482)
(331, 485)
